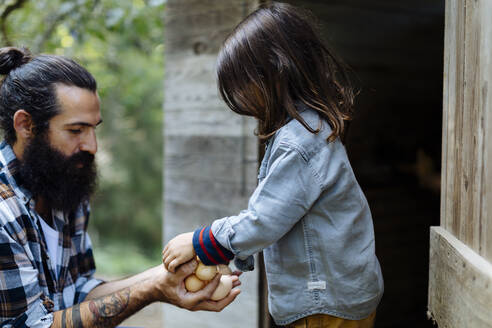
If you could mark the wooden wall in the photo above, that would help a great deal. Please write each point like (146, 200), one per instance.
(460, 275)
(210, 153)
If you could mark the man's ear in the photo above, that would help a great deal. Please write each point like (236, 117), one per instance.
(23, 124)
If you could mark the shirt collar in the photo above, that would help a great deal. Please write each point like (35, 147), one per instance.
(9, 164)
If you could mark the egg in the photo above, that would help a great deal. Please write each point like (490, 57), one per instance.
(205, 272)
(223, 289)
(193, 284)
(224, 269)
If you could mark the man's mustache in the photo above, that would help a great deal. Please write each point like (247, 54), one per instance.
(82, 157)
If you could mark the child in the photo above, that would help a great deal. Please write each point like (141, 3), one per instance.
(308, 213)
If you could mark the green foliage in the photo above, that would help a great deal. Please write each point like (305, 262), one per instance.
(119, 258)
(121, 43)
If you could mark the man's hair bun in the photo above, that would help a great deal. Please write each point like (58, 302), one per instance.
(12, 57)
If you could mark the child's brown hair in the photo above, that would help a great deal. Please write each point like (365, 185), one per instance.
(274, 59)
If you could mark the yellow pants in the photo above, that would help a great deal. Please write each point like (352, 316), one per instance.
(327, 321)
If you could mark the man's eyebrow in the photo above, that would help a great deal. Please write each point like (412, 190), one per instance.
(84, 123)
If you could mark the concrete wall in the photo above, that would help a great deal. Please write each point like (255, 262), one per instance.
(210, 153)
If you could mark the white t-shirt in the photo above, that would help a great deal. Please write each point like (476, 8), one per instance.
(51, 236)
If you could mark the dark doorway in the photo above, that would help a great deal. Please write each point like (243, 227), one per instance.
(394, 143)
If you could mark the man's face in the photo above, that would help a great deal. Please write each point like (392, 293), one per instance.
(58, 165)
(73, 129)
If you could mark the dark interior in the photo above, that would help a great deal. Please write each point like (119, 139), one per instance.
(395, 49)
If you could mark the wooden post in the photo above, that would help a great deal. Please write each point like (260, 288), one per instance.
(210, 153)
(460, 279)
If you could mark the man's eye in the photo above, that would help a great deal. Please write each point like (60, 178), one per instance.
(75, 131)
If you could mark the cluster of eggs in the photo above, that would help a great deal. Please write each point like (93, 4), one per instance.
(204, 274)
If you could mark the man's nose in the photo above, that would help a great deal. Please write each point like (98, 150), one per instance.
(89, 143)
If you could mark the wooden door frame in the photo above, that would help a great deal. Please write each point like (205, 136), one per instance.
(460, 271)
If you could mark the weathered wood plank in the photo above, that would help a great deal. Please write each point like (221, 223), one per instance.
(205, 159)
(485, 92)
(449, 91)
(453, 114)
(203, 215)
(215, 19)
(471, 132)
(466, 141)
(460, 283)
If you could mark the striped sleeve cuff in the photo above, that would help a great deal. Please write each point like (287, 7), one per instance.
(209, 250)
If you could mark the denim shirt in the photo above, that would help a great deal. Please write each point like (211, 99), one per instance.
(313, 223)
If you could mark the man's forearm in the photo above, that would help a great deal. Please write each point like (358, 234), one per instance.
(106, 311)
(111, 303)
(113, 286)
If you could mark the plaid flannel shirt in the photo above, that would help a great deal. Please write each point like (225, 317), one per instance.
(29, 288)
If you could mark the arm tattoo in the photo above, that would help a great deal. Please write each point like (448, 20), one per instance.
(105, 309)
(64, 319)
(76, 319)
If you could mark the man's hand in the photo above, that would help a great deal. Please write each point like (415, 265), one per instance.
(178, 251)
(172, 289)
(109, 304)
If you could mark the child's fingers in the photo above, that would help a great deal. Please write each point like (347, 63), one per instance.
(166, 258)
(167, 262)
(235, 281)
(165, 253)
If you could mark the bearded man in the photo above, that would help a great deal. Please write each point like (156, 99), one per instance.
(49, 111)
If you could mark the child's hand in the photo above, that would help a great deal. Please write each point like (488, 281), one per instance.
(178, 251)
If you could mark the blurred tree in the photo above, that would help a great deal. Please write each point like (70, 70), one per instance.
(121, 43)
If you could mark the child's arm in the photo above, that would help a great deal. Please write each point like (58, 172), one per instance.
(282, 198)
(184, 247)
(286, 192)
(178, 250)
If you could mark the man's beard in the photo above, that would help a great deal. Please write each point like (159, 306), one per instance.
(63, 182)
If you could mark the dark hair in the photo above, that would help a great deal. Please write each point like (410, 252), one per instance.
(30, 85)
(273, 61)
